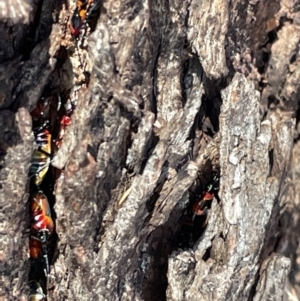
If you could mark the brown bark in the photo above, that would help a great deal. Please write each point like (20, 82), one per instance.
(168, 94)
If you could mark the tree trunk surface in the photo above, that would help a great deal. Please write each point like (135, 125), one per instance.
(169, 98)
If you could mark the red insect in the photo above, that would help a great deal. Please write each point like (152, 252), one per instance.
(41, 215)
(200, 207)
(65, 121)
(42, 227)
(195, 217)
(79, 16)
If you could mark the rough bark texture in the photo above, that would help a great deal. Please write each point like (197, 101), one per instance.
(168, 94)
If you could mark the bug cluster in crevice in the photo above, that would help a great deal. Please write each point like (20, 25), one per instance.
(50, 118)
(85, 13)
(195, 216)
(181, 232)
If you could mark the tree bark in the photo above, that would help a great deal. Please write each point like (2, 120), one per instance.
(169, 95)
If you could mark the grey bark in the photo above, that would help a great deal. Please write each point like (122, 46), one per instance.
(178, 90)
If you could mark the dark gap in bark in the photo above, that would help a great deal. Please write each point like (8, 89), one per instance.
(206, 123)
(273, 231)
(31, 36)
(293, 58)
(154, 283)
(40, 30)
(116, 72)
(9, 140)
(153, 99)
(153, 142)
(265, 57)
(278, 240)
(61, 56)
(284, 19)
(206, 255)
(190, 65)
(46, 20)
(271, 158)
(193, 225)
(91, 150)
(184, 72)
(110, 98)
(289, 247)
(195, 132)
(156, 22)
(200, 223)
(221, 235)
(253, 288)
(195, 136)
(150, 204)
(262, 63)
(128, 138)
(296, 139)
(207, 176)
(272, 36)
(134, 122)
(273, 102)
(178, 233)
(211, 105)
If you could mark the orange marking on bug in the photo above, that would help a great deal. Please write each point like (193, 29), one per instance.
(79, 16)
(41, 213)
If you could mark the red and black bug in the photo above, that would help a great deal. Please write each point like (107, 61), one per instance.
(79, 16)
(86, 12)
(195, 217)
(41, 157)
(42, 227)
(199, 207)
(41, 214)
